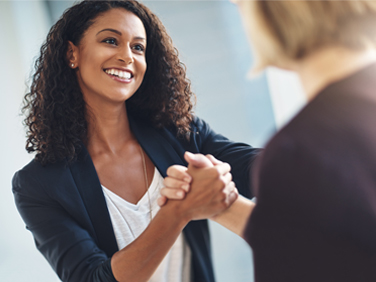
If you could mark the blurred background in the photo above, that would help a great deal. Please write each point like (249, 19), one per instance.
(211, 42)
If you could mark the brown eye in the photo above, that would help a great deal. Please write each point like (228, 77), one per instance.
(139, 48)
(111, 41)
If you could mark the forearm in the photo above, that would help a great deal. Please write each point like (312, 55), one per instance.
(139, 260)
(235, 218)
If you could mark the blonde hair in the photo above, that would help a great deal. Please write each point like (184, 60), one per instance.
(289, 30)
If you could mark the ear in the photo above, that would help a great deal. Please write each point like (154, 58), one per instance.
(72, 55)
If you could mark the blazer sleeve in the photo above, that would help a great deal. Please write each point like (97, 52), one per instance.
(240, 156)
(67, 246)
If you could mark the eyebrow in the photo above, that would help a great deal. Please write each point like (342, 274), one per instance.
(111, 30)
(119, 33)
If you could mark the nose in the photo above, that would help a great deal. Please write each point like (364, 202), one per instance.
(126, 55)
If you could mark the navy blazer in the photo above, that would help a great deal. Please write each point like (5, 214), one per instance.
(63, 205)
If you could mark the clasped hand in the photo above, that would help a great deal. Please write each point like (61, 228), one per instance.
(206, 185)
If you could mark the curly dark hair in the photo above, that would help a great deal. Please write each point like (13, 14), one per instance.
(55, 108)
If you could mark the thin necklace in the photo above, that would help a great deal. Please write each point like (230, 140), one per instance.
(146, 182)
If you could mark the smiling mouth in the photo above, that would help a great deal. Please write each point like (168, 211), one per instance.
(119, 73)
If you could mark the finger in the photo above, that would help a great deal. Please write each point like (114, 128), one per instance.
(227, 178)
(179, 172)
(172, 193)
(210, 176)
(230, 187)
(162, 200)
(211, 173)
(213, 160)
(171, 182)
(223, 182)
(197, 160)
(223, 168)
(233, 195)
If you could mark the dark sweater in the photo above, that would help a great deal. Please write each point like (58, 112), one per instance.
(315, 218)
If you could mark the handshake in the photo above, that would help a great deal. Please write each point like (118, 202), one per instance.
(205, 190)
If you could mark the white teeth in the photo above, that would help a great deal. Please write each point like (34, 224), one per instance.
(124, 74)
(119, 73)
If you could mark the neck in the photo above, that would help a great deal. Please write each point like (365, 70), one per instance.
(330, 64)
(108, 128)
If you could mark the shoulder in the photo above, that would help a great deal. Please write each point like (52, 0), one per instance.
(314, 157)
(200, 131)
(309, 147)
(34, 177)
(199, 124)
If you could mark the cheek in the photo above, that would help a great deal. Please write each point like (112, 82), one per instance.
(91, 59)
(142, 66)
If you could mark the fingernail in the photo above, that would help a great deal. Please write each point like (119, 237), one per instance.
(185, 186)
(190, 155)
(180, 194)
(187, 179)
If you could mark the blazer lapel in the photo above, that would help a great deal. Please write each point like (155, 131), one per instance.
(87, 181)
(157, 146)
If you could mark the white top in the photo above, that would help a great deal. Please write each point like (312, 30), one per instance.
(130, 220)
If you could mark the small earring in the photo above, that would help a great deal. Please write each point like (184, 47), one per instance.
(72, 65)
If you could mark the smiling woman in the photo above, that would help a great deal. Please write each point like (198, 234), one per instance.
(110, 59)
(109, 110)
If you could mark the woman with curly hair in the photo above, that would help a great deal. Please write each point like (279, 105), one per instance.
(109, 110)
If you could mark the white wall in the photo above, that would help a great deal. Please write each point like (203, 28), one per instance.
(22, 28)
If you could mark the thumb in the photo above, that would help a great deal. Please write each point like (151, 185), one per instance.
(197, 160)
(213, 160)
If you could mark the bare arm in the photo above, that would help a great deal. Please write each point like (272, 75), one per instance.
(235, 218)
(139, 260)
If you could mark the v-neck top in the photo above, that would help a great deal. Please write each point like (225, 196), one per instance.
(130, 220)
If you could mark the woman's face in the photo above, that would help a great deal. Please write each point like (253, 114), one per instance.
(110, 59)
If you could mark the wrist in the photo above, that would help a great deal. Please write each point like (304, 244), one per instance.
(177, 211)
